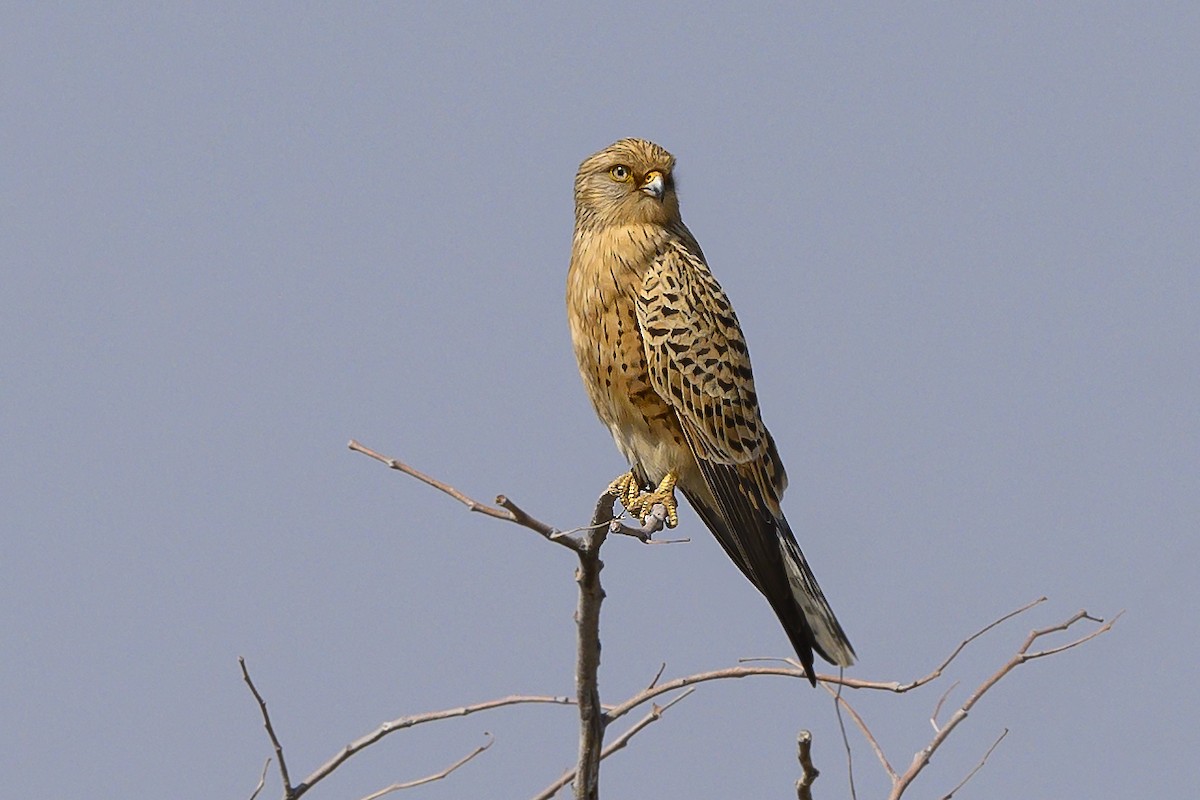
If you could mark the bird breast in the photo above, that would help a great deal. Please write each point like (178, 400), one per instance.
(607, 270)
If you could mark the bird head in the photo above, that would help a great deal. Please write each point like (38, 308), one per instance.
(628, 182)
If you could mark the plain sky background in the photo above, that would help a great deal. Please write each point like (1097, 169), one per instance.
(963, 243)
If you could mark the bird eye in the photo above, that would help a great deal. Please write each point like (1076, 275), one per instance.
(620, 173)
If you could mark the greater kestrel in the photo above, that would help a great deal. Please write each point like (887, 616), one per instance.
(667, 369)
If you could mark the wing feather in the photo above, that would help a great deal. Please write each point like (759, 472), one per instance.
(699, 363)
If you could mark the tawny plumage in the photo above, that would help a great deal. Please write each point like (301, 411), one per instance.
(667, 369)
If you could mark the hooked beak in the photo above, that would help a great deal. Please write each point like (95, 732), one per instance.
(654, 184)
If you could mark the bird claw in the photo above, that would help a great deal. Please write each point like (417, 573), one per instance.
(643, 506)
(640, 503)
(626, 489)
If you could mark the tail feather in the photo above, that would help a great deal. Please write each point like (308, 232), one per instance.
(828, 637)
(764, 548)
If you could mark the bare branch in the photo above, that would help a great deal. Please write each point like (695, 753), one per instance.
(866, 731)
(521, 518)
(1062, 627)
(470, 503)
(897, 687)
(587, 655)
(922, 757)
(837, 696)
(623, 708)
(652, 524)
(437, 776)
(900, 688)
(978, 767)
(288, 792)
(262, 779)
(655, 713)
(508, 510)
(808, 772)
(403, 723)
(900, 782)
(620, 742)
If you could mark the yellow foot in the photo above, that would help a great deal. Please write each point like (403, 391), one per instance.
(626, 490)
(644, 503)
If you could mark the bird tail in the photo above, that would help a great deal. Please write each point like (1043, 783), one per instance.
(826, 634)
(764, 548)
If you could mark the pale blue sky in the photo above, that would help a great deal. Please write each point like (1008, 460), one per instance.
(961, 239)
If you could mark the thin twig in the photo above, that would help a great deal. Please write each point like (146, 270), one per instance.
(507, 510)
(866, 731)
(837, 700)
(437, 776)
(937, 671)
(1062, 627)
(581, 529)
(978, 767)
(661, 668)
(262, 779)
(937, 709)
(288, 791)
(621, 741)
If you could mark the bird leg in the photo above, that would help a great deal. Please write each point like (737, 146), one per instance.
(665, 494)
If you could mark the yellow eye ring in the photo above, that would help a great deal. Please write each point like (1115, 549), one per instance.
(620, 173)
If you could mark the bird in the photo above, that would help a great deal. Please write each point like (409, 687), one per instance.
(667, 369)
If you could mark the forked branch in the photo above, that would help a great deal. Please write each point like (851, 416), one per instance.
(901, 782)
